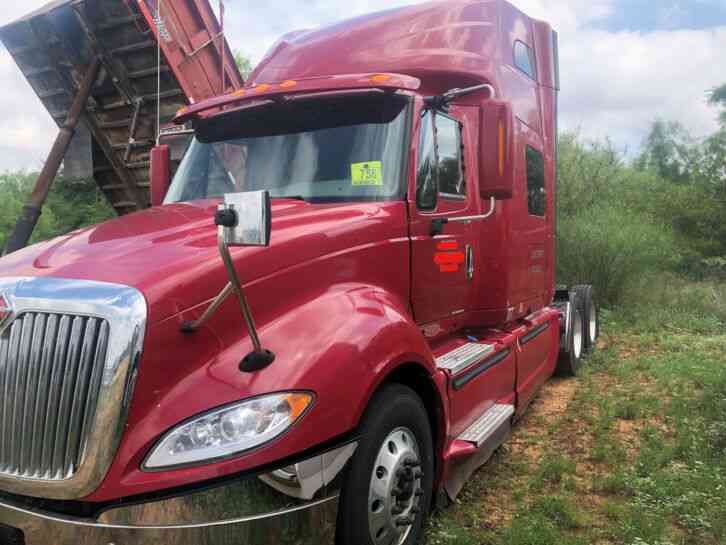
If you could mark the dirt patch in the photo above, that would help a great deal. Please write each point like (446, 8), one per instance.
(554, 399)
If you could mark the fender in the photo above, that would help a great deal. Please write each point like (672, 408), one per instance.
(341, 345)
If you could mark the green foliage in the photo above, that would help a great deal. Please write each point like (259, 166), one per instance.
(557, 510)
(71, 205)
(609, 246)
(538, 529)
(243, 63)
(669, 151)
(552, 471)
(586, 172)
(621, 223)
(718, 98)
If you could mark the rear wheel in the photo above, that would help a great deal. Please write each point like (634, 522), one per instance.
(571, 354)
(387, 493)
(588, 308)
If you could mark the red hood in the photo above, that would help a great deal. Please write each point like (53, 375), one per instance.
(170, 253)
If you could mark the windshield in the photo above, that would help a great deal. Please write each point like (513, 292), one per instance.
(341, 148)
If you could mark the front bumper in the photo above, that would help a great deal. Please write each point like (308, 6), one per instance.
(309, 524)
(297, 505)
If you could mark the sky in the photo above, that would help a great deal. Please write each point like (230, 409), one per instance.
(625, 63)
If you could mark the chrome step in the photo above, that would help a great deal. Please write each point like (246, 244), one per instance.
(487, 425)
(464, 356)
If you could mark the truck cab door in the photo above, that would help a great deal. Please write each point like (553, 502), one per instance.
(442, 250)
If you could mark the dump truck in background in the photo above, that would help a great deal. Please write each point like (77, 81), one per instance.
(333, 313)
(111, 73)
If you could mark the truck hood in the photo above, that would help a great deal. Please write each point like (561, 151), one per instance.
(170, 253)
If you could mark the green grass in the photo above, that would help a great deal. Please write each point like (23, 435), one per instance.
(637, 457)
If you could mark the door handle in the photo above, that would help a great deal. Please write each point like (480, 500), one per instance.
(469, 262)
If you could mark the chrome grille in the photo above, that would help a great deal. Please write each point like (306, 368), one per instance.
(51, 369)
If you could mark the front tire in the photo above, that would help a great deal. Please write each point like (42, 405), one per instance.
(387, 493)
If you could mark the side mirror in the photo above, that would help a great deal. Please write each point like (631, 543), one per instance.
(160, 174)
(246, 218)
(496, 157)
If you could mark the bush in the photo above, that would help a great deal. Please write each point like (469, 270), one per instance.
(609, 247)
(655, 299)
(70, 205)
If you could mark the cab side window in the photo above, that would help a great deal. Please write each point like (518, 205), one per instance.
(440, 171)
(426, 192)
(451, 174)
(536, 193)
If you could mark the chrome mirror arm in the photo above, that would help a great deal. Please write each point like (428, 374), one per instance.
(227, 220)
(238, 289)
(191, 327)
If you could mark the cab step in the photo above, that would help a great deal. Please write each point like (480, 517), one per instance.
(487, 425)
(476, 445)
(464, 357)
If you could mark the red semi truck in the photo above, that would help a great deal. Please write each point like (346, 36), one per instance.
(331, 316)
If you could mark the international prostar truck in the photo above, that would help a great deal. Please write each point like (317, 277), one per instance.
(331, 316)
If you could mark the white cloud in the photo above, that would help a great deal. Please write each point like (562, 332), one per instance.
(27, 131)
(618, 83)
(614, 83)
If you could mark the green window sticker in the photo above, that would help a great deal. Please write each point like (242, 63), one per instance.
(370, 173)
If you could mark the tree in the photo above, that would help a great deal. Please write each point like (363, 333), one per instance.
(717, 98)
(243, 63)
(670, 152)
(714, 163)
(70, 206)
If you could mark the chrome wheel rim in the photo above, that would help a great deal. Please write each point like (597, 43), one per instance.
(577, 336)
(394, 497)
(592, 323)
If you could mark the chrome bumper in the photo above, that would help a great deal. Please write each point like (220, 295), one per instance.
(309, 524)
(296, 505)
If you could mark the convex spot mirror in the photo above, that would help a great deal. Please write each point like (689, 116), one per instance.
(252, 218)
(496, 157)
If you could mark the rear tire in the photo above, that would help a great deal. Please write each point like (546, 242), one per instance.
(387, 493)
(571, 355)
(589, 310)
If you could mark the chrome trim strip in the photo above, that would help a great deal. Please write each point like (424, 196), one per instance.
(125, 311)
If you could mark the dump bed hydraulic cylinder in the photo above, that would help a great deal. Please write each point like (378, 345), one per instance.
(31, 212)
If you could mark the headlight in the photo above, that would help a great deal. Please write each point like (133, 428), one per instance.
(229, 431)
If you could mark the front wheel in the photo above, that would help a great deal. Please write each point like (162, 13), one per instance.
(387, 492)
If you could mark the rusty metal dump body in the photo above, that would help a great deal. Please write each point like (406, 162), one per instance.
(55, 45)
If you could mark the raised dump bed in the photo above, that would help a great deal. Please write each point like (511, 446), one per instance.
(55, 46)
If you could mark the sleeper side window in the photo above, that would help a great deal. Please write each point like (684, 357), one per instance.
(524, 59)
(536, 193)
